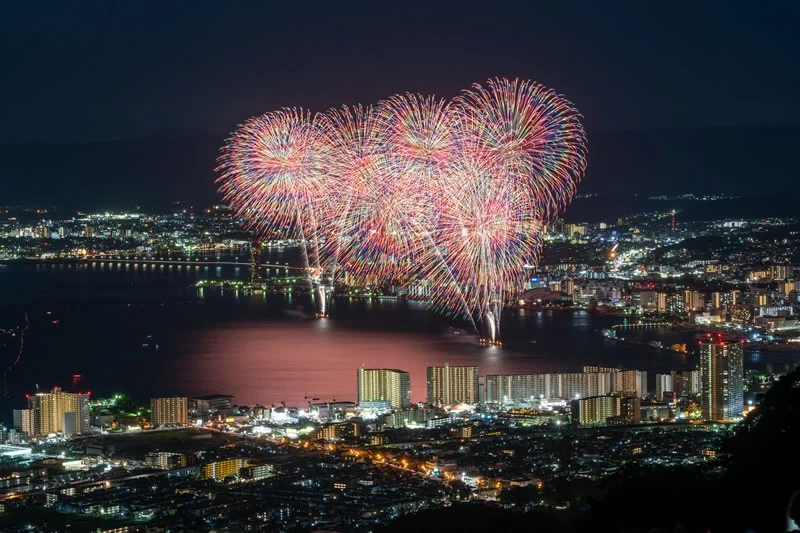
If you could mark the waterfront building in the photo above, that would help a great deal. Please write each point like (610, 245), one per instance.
(646, 300)
(170, 410)
(598, 383)
(623, 382)
(448, 385)
(513, 388)
(210, 403)
(722, 380)
(256, 267)
(384, 384)
(527, 388)
(55, 412)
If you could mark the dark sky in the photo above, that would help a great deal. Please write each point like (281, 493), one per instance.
(83, 71)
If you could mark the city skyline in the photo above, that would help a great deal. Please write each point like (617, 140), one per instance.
(414, 267)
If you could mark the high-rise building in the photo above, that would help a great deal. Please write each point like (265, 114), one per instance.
(57, 412)
(376, 384)
(686, 382)
(630, 410)
(256, 268)
(631, 382)
(25, 421)
(664, 383)
(568, 286)
(525, 388)
(646, 299)
(674, 303)
(599, 383)
(452, 384)
(512, 388)
(595, 368)
(661, 304)
(731, 298)
(715, 301)
(722, 380)
(693, 300)
(595, 409)
(623, 382)
(172, 410)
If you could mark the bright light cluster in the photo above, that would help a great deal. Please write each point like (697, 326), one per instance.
(418, 191)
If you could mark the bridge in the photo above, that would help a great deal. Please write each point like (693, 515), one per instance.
(170, 261)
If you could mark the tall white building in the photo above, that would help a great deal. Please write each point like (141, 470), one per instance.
(722, 380)
(384, 384)
(664, 383)
(453, 384)
(169, 410)
(56, 412)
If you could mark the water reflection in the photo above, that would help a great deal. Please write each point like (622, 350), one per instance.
(266, 348)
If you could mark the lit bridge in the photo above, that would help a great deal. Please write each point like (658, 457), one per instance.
(170, 261)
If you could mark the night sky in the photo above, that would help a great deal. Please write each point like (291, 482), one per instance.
(84, 71)
(77, 75)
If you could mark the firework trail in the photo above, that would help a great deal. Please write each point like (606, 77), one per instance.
(421, 133)
(360, 164)
(417, 191)
(19, 354)
(273, 173)
(488, 231)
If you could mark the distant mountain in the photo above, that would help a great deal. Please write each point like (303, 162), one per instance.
(175, 165)
(736, 160)
(156, 169)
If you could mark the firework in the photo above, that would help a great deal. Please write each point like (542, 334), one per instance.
(420, 131)
(487, 231)
(381, 204)
(417, 190)
(533, 135)
(273, 173)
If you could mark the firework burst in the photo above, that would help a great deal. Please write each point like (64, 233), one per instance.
(273, 173)
(449, 196)
(533, 135)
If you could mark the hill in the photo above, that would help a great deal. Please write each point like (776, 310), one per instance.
(175, 165)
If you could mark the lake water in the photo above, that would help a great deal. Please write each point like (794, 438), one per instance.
(147, 330)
